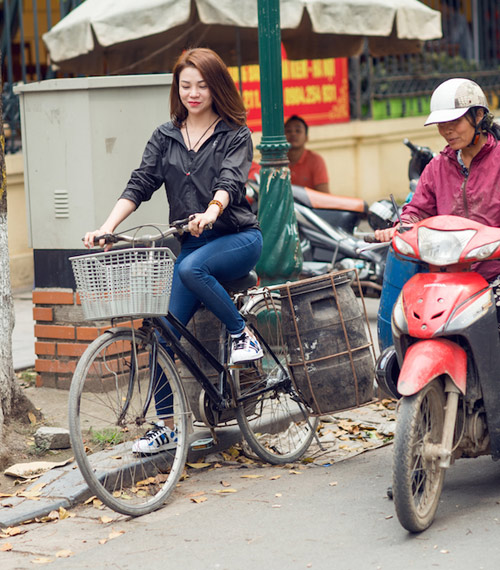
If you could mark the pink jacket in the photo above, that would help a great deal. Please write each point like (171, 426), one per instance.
(444, 188)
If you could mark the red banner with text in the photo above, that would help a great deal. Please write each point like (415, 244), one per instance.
(317, 90)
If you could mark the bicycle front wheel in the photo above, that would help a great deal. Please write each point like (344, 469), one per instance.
(118, 381)
(274, 421)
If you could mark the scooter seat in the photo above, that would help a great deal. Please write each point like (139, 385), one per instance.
(322, 201)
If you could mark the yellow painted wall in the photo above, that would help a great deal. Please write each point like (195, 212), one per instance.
(367, 159)
(21, 256)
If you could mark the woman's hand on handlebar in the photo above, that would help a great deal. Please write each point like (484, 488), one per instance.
(198, 222)
(89, 239)
(386, 234)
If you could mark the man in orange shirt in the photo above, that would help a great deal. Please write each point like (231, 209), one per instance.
(307, 168)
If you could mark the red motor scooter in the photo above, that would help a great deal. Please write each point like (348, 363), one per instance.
(445, 332)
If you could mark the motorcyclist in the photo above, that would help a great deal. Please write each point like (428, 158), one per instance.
(464, 179)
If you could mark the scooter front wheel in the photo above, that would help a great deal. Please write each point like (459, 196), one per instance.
(417, 476)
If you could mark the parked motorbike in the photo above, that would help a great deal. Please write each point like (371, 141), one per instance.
(329, 235)
(446, 340)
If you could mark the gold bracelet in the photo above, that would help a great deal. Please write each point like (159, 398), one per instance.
(217, 203)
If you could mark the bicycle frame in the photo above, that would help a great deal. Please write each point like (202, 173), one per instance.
(216, 394)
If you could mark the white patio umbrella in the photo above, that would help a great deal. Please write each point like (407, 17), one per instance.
(127, 36)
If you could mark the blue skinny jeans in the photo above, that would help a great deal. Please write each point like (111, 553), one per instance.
(202, 264)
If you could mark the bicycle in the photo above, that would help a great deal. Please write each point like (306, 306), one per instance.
(116, 384)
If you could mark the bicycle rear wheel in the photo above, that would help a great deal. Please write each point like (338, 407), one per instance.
(274, 421)
(111, 405)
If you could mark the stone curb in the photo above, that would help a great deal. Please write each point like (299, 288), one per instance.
(65, 486)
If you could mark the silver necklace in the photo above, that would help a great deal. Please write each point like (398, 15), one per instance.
(192, 147)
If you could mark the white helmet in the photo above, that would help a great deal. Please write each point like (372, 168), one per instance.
(454, 98)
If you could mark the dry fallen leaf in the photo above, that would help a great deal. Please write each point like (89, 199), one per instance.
(198, 499)
(274, 477)
(12, 531)
(146, 482)
(232, 452)
(64, 514)
(198, 465)
(105, 520)
(225, 491)
(251, 476)
(34, 492)
(115, 534)
(64, 554)
(42, 560)
(32, 418)
(333, 483)
(6, 547)
(52, 516)
(225, 483)
(294, 472)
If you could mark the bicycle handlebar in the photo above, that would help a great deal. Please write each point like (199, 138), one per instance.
(177, 227)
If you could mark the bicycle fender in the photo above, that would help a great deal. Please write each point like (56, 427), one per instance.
(428, 359)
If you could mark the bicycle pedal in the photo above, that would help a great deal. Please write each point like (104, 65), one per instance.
(205, 443)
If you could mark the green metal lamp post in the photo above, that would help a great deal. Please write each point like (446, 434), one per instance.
(281, 258)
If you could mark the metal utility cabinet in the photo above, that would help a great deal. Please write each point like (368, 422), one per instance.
(82, 137)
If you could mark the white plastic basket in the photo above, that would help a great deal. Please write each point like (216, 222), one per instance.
(124, 282)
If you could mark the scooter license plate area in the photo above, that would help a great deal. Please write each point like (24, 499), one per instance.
(430, 299)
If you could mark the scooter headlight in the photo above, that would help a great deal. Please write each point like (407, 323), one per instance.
(403, 247)
(440, 247)
(484, 251)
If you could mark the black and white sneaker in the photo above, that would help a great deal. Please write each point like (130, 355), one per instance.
(159, 438)
(245, 348)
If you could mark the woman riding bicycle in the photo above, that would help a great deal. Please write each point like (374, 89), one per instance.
(202, 156)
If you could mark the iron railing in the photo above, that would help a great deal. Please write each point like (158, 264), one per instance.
(23, 56)
(392, 86)
(400, 86)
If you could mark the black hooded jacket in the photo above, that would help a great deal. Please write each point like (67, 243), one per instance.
(192, 178)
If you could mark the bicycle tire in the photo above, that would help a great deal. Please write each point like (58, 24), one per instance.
(417, 478)
(275, 423)
(108, 412)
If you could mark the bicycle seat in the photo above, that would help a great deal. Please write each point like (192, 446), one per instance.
(242, 284)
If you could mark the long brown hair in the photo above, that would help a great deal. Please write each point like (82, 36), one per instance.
(226, 100)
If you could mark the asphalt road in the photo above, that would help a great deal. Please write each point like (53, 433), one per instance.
(281, 518)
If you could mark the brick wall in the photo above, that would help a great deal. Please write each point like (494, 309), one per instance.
(61, 335)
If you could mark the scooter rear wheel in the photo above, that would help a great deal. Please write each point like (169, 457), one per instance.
(417, 476)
